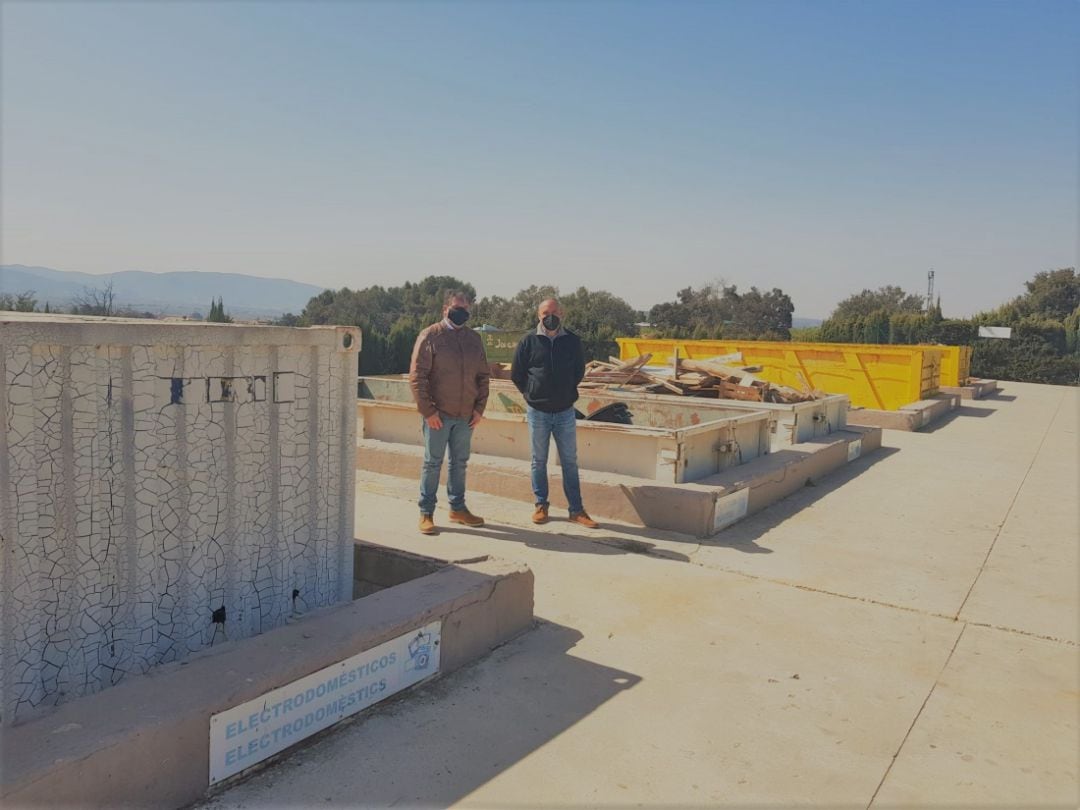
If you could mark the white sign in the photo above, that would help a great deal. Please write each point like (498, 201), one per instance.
(996, 332)
(854, 450)
(731, 508)
(249, 733)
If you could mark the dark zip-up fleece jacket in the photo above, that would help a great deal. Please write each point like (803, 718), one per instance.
(449, 372)
(547, 371)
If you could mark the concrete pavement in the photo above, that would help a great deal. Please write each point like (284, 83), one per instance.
(903, 634)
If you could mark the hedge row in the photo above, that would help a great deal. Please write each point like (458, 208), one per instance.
(1044, 351)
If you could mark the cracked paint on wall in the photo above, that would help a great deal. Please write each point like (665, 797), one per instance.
(164, 488)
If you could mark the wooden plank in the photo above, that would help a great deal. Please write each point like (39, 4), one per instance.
(742, 392)
(660, 381)
(627, 365)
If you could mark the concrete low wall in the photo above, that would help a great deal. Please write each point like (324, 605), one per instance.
(701, 508)
(145, 743)
(799, 421)
(974, 389)
(673, 455)
(781, 474)
(911, 417)
(671, 443)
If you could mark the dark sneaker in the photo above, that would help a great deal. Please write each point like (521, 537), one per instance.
(541, 513)
(466, 517)
(584, 519)
(427, 525)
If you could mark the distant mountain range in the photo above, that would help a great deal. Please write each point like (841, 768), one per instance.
(177, 293)
(802, 323)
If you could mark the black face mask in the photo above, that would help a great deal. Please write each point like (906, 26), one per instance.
(551, 322)
(458, 315)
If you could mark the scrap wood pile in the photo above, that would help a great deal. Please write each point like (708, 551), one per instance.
(723, 377)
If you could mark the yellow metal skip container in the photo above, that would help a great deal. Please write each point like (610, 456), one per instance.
(873, 376)
(955, 364)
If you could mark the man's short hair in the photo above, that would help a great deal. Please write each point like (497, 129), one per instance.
(453, 295)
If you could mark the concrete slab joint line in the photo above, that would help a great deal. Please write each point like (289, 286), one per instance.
(1012, 503)
(915, 719)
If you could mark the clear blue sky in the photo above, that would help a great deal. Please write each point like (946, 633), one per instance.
(820, 147)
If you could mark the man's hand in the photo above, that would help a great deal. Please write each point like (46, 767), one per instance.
(434, 421)
(475, 420)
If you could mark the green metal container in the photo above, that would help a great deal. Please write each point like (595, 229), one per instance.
(500, 345)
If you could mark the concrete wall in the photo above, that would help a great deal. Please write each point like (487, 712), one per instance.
(155, 477)
(146, 744)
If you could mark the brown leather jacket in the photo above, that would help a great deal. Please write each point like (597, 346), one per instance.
(449, 372)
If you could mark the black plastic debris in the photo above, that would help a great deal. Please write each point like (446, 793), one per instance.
(617, 413)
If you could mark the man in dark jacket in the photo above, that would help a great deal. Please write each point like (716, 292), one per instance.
(449, 376)
(548, 365)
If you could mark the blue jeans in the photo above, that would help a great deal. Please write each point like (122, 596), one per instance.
(563, 426)
(457, 435)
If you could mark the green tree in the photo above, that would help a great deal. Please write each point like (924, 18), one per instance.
(720, 311)
(598, 317)
(217, 312)
(1072, 332)
(422, 303)
(390, 318)
(761, 316)
(399, 347)
(1053, 294)
(889, 298)
(516, 313)
(380, 308)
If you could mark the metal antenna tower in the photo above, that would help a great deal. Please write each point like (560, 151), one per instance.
(930, 290)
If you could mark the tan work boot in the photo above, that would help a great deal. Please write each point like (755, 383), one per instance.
(583, 518)
(466, 517)
(427, 525)
(541, 513)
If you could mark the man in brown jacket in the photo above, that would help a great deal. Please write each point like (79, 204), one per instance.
(449, 376)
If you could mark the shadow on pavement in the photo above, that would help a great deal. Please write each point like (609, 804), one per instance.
(963, 412)
(440, 742)
(743, 535)
(968, 410)
(595, 542)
